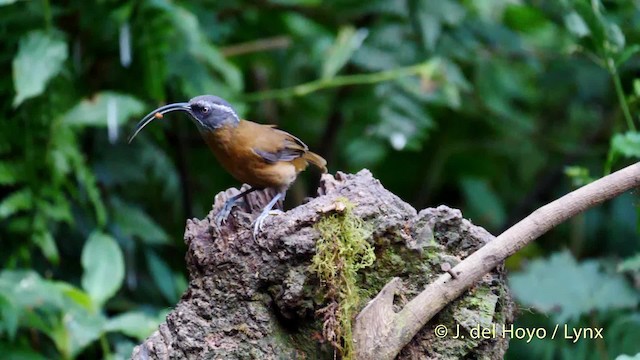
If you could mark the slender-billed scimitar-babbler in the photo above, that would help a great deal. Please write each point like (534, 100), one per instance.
(259, 155)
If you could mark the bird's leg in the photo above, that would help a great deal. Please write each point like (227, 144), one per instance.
(257, 227)
(223, 214)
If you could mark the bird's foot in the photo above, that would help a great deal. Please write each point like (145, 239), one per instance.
(257, 226)
(223, 214)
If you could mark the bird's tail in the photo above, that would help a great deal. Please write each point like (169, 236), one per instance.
(316, 160)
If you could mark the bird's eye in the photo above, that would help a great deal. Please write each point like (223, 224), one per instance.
(205, 109)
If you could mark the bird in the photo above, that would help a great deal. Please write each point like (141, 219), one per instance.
(259, 155)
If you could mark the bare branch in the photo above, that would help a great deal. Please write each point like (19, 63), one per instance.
(399, 328)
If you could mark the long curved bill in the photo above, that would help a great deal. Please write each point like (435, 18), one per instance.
(157, 114)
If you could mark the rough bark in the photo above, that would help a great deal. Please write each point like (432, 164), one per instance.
(257, 299)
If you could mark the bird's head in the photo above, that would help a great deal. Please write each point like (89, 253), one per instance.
(208, 112)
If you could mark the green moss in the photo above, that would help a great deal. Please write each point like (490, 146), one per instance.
(341, 252)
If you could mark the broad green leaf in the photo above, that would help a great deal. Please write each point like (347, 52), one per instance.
(627, 144)
(40, 58)
(162, 276)
(347, 42)
(630, 264)
(9, 314)
(20, 200)
(134, 323)
(576, 24)
(95, 110)
(568, 289)
(627, 357)
(136, 223)
(76, 330)
(7, 2)
(103, 266)
(615, 36)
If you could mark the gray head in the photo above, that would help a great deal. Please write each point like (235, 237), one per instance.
(212, 112)
(208, 112)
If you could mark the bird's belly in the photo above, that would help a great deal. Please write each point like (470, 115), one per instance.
(254, 171)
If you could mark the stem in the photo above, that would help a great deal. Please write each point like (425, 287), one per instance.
(46, 6)
(104, 344)
(621, 97)
(425, 69)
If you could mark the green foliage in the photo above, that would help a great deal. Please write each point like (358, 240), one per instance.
(627, 357)
(568, 289)
(341, 252)
(481, 105)
(40, 57)
(103, 266)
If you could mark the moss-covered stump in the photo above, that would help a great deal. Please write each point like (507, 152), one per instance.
(263, 299)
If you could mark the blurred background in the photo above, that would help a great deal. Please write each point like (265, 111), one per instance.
(491, 106)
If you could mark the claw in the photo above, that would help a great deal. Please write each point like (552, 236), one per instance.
(223, 214)
(257, 226)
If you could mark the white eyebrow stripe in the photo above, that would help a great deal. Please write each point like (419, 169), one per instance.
(226, 109)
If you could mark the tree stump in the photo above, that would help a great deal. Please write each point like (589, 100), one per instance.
(259, 299)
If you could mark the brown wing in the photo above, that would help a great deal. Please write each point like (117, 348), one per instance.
(274, 145)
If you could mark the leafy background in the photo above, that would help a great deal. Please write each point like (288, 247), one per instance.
(492, 106)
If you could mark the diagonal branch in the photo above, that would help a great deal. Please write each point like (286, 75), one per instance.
(398, 329)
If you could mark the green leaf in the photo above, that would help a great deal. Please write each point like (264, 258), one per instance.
(133, 323)
(347, 42)
(626, 54)
(44, 240)
(76, 296)
(197, 45)
(95, 110)
(162, 276)
(136, 223)
(431, 15)
(630, 264)
(20, 200)
(8, 316)
(594, 21)
(569, 289)
(576, 24)
(627, 144)
(627, 357)
(76, 330)
(103, 266)
(11, 173)
(40, 58)
(7, 2)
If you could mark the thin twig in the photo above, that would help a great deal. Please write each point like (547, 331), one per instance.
(272, 43)
(426, 69)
